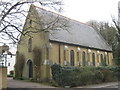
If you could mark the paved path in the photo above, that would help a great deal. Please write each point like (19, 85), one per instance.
(24, 84)
(103, 85)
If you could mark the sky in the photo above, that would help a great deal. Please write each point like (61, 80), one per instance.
(85, 10)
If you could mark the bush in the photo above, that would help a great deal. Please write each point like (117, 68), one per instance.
(9, 75)
(56, 73)
(19, 65)
(11, 72)
(76, 76)
(111, 73)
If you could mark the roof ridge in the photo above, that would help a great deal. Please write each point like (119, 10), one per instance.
(61, 15)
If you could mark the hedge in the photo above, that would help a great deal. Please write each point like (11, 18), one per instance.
(77, 76)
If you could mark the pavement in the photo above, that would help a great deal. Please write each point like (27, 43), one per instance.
(25, 84)
(102, 85)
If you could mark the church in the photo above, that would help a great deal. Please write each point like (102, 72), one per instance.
(49, 38)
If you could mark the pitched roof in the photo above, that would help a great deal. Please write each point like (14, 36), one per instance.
(78, 33)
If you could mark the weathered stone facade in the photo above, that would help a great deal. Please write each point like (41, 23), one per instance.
(63, 53)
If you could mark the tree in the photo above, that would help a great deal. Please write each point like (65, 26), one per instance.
(13, 14)
(117, 50)
(108, 32)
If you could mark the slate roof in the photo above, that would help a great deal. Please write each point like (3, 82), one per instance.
(78, 33)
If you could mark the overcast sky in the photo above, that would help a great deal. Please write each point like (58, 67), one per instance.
(85, 10)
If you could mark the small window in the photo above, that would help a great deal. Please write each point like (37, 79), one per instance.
(30, 45)
(30, 21)
(8, 64)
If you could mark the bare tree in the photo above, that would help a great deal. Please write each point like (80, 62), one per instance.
(110, 33)
(117, 51)
(107, 31)
(13, 14)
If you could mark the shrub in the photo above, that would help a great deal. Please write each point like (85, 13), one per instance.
(12, 72)
(76, 76)
(56, 73)
(19, 66)
(98, 76)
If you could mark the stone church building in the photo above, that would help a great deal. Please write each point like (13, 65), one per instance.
(58, 39)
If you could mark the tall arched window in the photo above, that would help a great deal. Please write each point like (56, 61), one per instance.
(93, 59)
(30, 45)
(105, 59)
(77, 56)
(83, 59)
(72, 58)
(108, 59)
(47, 51)
(101, 57)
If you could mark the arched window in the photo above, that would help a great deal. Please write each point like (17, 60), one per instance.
(30, 21)
(93, 59)
(78, 56)
(72, 58)
(101, 57)
(64, 54)
(47, 51)
(83, 59)
(30, 45)
(108, 59)
(105, 60)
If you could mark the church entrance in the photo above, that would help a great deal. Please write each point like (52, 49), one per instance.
(29, 70)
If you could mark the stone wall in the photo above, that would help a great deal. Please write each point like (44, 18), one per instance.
(56, 49)
(3, 77)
